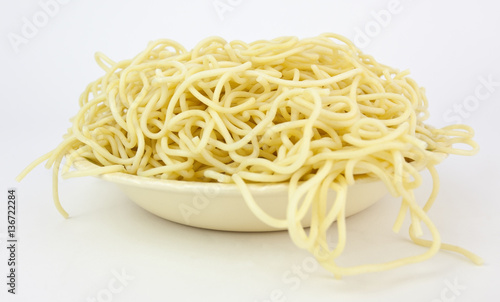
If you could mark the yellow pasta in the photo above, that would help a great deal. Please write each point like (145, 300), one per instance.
(315, 113)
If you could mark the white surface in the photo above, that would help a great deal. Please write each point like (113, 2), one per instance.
(449, 46)
(222, 207)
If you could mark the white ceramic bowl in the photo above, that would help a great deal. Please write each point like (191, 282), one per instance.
(221, 206)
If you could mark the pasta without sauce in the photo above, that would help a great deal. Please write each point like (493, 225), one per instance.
(316, 113)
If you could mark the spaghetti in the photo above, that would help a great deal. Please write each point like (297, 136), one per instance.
(316, 113)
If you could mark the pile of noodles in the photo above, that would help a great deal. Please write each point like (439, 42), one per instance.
(315, 113)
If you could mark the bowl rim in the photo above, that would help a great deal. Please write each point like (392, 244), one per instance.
(120, 178)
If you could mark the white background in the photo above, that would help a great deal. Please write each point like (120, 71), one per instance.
(449, 46)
